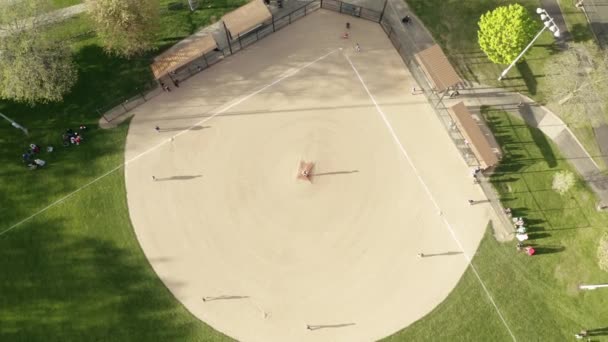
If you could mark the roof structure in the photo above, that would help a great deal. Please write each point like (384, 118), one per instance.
(246, 17)
(182, 53)
(469, 128)
(438, 68)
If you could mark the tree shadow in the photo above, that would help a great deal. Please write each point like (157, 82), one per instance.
(69, 285)
(581, 33)
(528, 76)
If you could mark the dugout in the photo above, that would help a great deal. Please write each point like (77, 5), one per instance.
(246, 18)
(181, 54)
(478, 142)
(437, 68)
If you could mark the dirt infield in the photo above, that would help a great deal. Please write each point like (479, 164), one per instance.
(226, 218)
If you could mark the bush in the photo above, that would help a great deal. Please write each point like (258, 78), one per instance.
(563, 181)
(602, 253)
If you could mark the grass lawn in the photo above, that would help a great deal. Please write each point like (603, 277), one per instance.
(76, 272)
(537, 295)
(57, 4)
(453, 24)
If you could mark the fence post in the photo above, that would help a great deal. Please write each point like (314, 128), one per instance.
(383, 9)
(321, 3)
(206, 61)
(240, 42)
(341, 6)
(227, 37)
(289, 18)
(273, 29)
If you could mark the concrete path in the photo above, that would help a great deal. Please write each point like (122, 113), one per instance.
(47, 18)
(552, 7)
(597, 15)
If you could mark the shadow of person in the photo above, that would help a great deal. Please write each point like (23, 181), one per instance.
(442, 254)
(172, 178)
(597, 332)
(193, 128)
(548, 249)
(333, 173)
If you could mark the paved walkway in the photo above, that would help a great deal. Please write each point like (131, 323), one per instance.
(597, 15)
(48, 18)
(552, 7)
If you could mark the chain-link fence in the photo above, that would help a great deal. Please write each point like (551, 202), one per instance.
(408, 42)
(121, 106)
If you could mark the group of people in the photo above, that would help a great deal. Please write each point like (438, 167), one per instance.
(174, 79)
(70, 137)
(521, 233)
(30, 157)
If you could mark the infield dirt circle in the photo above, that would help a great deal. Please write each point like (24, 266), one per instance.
(226, 218)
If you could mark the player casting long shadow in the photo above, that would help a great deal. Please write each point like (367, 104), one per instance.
(212, 298)
(333, 173)
(323, 326)
(193, 128)
(172, 178)
(439, 254)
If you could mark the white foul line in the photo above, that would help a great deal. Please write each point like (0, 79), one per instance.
(428, 192)
(218, 112)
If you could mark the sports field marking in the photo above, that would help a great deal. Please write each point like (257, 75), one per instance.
(428, 192)
(278, 80)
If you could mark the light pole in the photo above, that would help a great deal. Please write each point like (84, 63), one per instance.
(591, 287)
(14, 124)
(548, 23)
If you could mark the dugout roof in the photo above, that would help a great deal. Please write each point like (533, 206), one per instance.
(182, 53)
(438, 68)
(478, 142)
(246, 18)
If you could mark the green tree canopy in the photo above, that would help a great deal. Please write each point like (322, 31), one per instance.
(33, 66)
(504, 32)
(126, 27)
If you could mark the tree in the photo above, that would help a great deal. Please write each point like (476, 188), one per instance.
(126, 27)
(602, 252)
(578, 82)
(34, 67)
(504, 32)
(563, 181)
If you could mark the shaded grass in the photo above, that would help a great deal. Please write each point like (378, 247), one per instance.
(537, 295)
(76, 272)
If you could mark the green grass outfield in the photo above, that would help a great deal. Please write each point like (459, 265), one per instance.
(537, 295)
